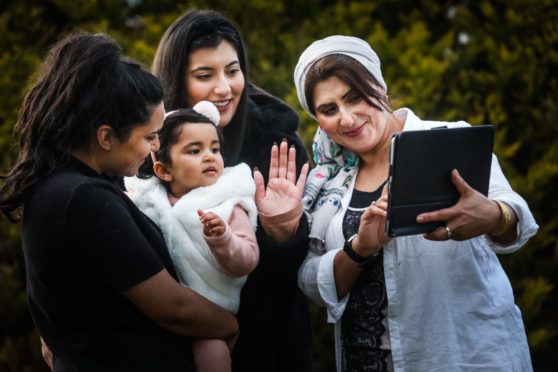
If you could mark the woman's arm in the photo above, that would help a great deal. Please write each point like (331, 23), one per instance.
(125, 251)
(280, 197)
(522, 225)
(181, 310)
(271, 121)
(366, 245)
(282, 227)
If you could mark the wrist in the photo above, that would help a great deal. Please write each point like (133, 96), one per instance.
(361, 250)
(505, 220)
(353, 249)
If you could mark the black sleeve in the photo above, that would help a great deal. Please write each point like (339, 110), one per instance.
(106, 237)
(284, 257)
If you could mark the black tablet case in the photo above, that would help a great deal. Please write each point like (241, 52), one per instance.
(420, 172)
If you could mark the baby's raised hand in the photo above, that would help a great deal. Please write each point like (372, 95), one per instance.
(213, 225)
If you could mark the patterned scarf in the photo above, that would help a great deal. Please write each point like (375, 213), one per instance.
(326, 185)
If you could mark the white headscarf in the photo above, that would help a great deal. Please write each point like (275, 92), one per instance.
(335, 167)
(336, 44)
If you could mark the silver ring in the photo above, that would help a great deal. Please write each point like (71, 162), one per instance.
(450, 234)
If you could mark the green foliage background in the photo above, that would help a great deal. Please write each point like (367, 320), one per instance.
(482, 61)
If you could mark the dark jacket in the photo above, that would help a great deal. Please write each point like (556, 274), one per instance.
(274, 320)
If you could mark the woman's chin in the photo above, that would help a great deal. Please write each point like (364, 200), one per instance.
(225, 120)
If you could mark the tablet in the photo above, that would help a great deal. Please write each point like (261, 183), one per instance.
(420, 172)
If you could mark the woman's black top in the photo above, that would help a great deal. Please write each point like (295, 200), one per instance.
(85, 243)
(274, 320)
(361, 324)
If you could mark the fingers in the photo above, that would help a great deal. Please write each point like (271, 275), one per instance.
(467, 195)
(209, 217)
(440, 234)
(460, 184)
(382, 202)
(302, 177)
(204, 216)
(213, 225)
(283, 159)
(291, 165)
(384, 192)
(446, 232)
(260, 185)
(372, 226)
(274, 162)
(377, 208)
(451, 214)
(439, 215)
(216, 231)
(447, 213)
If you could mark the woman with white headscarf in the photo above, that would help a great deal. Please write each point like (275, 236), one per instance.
(416, 303)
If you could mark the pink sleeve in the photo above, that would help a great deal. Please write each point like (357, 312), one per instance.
(237, 249)
(282, 227)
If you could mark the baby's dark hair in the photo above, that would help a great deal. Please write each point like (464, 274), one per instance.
(169, 135)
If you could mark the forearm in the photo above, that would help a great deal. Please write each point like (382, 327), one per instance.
(198, 317)
(346, 270)
(237, 249)
(180, 310)
(282, 227)
(287, 256)
(506, 227)
(522, 224)
(346, 273)
(239, 256)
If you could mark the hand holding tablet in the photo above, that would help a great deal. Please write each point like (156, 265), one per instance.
(420, 172)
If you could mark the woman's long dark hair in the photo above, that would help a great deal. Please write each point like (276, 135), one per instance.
(194, 30)
(84, 82)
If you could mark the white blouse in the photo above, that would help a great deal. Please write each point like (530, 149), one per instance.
(450, 304)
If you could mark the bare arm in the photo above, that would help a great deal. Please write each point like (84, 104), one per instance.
(346, 273)
(181, 310)
(371, 237)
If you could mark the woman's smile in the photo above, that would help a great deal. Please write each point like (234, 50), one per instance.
(356, 131)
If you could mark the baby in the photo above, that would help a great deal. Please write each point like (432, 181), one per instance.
(207, 214)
